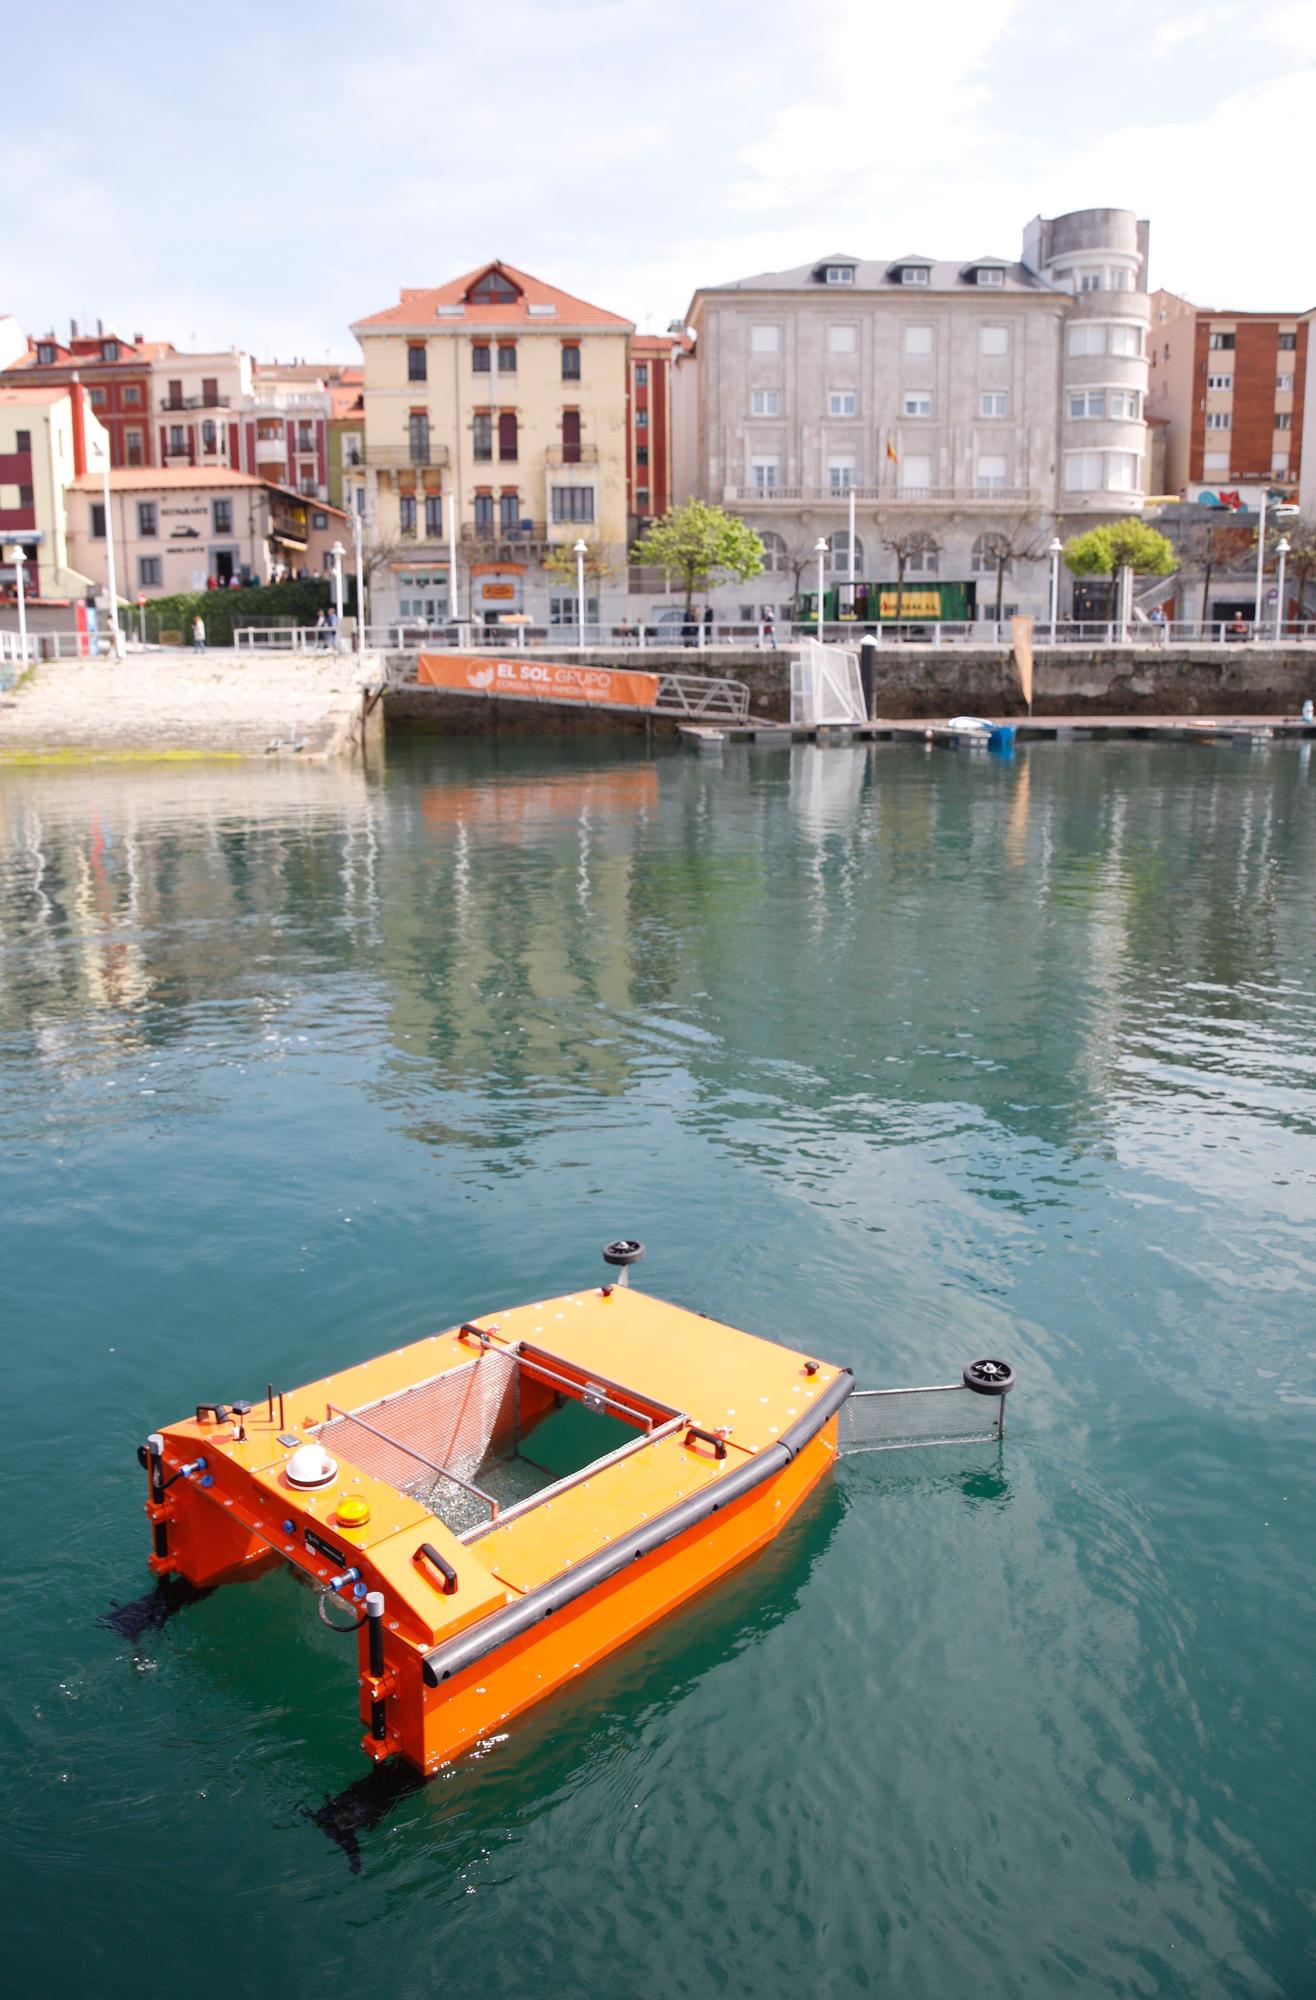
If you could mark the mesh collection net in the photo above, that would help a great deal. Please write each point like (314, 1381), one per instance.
(457, 1423)
(887, 1419)
(825, 685)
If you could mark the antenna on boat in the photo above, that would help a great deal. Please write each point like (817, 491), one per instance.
(621, 1254)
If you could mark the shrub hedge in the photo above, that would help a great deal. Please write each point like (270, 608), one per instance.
(296, 603)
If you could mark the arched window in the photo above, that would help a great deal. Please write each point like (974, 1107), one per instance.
(986, 552)
(774, 552)
(838, 558)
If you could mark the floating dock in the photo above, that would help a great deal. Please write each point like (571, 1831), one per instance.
(1248, 730)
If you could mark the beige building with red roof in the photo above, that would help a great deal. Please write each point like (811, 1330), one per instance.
(48, 436)
(495, 428)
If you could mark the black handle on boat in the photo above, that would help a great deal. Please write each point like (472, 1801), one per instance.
(719, 1444)
(470, 1332)
(441, 1564)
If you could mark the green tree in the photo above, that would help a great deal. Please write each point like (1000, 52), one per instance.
(699, 545)
(1300, 567)
(903, 536)
(560, 562)
(1117, 545)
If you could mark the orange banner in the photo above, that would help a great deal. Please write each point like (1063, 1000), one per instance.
(542, 680)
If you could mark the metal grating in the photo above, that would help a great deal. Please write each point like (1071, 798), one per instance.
(424, 1440)
(893, 1419)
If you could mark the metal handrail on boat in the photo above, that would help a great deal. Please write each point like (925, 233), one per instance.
(570, 1479)
(442, 1471)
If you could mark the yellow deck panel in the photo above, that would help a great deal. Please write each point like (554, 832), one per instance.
(551, 1536)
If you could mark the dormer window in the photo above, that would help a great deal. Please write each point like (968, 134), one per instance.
(838, 274)
(915, 274)
(45, 352)
(109, 350)
(989, 274)
(493, 289)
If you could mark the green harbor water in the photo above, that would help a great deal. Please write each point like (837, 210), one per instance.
(902, 1056)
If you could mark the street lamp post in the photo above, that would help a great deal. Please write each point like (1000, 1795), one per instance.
(1055, 551)
(820, 550)
(115, 634)
(1281, 551)
(580, 551)
(337, 552)
(1283, 510)
(19, 560)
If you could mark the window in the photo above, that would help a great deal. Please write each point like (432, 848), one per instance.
(418, 438)
(765, 402)
(1125, 339)
(109, 350)
(484, 513)
(989, 274)
(319, 520)
(994, 340)
(1124, 403)
(1121, 471)
(150, 571)
(914, 274)
(209, 435)
(177, 440)
(407, 513)
(1219, 342)
(641, 498)
(174, 400)
(417, 364)
(918, 403)
(840, 340)
(841, 403)
(506, 358)
(572, 503)
(23, 442)
(434, 515)
(305, 437)
(994, 403)
(985, 554)
(210, 391)
(1101, 471)
(764, 339)
(918, 340)
(571, 365)
(839, 274)
(1287, 343)
(507, 437)
(991, 473)
(1086, 339)
(1215, 461)
(98, 520)
(97, 398)
(641, 375)
(480, 358)
(840, 473)
(642, 455)
(764, 473)
(493, 289)
(1087, 403)
(509, 512)
(221, 512)
(1283, 383)
(571, 437)
(1089, 281)
(1218, 420)
(915, 473)
(641, 420)
(1283, 420)
(1227, 382)
(130, 393)
(361, 501)
(147, 523)
(132, 447)
(774, 552)
(923, 562)
(482, 436)
(45, 351)
(838, 554)
(26, 496)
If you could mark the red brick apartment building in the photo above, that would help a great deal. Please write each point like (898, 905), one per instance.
(649, 483)
(1230, 385)
(117, 376)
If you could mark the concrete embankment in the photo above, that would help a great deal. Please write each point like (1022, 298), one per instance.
(182, 704)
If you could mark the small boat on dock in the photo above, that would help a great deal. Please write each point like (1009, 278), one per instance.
(493, 1509)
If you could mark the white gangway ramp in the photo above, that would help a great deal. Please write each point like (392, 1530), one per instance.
(825, 685)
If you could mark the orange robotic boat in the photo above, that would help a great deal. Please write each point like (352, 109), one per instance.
(495, 1508)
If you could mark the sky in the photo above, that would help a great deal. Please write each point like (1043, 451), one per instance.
(242, 178)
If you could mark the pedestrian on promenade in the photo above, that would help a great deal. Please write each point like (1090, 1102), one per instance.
(690, 627)
(769, 627)
(198, 634)
(322, 631)
(708, 624)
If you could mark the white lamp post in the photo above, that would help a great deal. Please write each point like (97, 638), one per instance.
(580, 551)
(337, 552)
(1283, 510)
(820, 550)
(1055, 551)
(1281, 550)
(19, 560)
(360, 585)
(115, 634)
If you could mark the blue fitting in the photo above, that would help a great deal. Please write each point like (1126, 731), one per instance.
(358, 1589)
(290, 1527)
(348, 1576)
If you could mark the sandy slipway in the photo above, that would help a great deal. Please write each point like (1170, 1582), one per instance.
(218, 703)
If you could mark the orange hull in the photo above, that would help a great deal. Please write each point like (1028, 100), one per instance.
(470, 1610)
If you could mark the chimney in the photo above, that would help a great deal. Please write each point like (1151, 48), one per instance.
(138, 338)
(73, 329)
(100, 328)
(76, 394)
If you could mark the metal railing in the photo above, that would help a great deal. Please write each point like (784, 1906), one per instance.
(195, 402)
(400, 457)
(701, 696)
(885, 496)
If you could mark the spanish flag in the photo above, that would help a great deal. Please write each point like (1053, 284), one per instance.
(891, 449)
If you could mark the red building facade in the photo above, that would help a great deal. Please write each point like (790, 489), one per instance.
(649, 428)
(116, 374)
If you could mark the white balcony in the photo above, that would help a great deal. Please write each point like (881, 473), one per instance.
(880, 496)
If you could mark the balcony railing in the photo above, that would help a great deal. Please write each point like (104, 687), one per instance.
(195, 402)
(522, 538)
(396, 456)
(571, 454)
(881, 496)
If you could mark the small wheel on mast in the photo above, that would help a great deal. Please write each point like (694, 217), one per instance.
(989, 1378)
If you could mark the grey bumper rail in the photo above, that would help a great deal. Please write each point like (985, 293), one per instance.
(443, 1662)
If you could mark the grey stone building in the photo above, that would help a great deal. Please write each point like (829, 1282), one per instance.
(959, 402)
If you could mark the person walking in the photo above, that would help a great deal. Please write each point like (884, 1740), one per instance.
(690, 626)
(708, 624)
(770, 627)
(198, 634)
